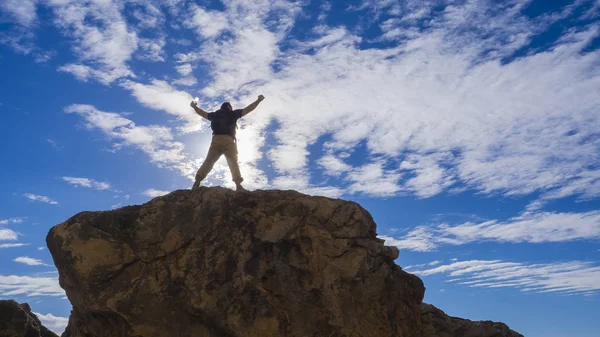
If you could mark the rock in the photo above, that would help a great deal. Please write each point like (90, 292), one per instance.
(437, 324)
(213, 262)
(17, 320)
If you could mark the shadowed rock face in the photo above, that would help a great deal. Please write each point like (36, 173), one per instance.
(17, 320)
(213, 262)
(437, 324)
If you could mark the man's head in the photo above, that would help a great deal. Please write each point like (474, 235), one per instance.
(226, 106)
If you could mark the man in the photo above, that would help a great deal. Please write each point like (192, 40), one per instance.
(223, 123)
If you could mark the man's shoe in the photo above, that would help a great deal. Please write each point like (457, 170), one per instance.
(240, 188)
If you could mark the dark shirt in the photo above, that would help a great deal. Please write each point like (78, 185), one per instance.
(224, 122)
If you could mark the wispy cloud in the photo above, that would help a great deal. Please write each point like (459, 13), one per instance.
(470, 123)
(54, 144)
(22, 11)
(160, 95)
(572, 277)
(156, 141)
(54, 323)
(41, 248)
(11, 221)
(153, 193)
(13, 245)
(86, 182)
(461, 104)
(104, 44)
(29, 261)
(40, 198)
(529, 227)
(13, 285)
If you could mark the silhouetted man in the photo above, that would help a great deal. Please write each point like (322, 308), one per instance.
(223, 123)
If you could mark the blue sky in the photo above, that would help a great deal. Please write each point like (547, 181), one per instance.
(469, 129)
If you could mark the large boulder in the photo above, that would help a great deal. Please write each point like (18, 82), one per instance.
(17, 320)
(213, 262)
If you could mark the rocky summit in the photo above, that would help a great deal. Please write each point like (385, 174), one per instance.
(216, 263)
(17, 320)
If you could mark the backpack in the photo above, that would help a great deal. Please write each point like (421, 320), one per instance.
(224, 123)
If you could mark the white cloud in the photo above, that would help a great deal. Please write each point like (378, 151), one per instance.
(186, 81)
(29, 261)
(40, 198)
(429, 177)
(572, 277)
(153, 193)
(160, 95)
(156, 141)
(443, 103)
(12, 245)
(103, 40)
(529, 227)
(245, 53)
(22, 11)
(373, 179)
(148, 16)
(208, 24)
(41, 248)
(152, 49)
(184, 69)
(12, 285)
(442, 98)
(11, 221)
(86, 182)
(54, 323)
(333, 165)
(8, 234)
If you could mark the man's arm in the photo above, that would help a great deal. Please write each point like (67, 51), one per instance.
(252, 106)
(199, 111)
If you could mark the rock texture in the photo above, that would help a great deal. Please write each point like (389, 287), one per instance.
(17, 320)
(213, 262)
(437, 324)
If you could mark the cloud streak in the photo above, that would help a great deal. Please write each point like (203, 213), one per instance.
(13, 285)
(572, 277)
(12, 245)
(29, 261)
(40, 198)
(540, 227)
(11, 221)
(86, 182)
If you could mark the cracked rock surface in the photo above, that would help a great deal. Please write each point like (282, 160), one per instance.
(213, 262)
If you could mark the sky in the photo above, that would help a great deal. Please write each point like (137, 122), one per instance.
(468, 129)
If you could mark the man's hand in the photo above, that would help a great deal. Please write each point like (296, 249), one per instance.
(252, 106)
(199, 111)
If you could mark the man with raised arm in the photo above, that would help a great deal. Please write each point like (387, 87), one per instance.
(223, 123)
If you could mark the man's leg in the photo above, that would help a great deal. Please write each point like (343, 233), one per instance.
(211, 158)
(231, 154)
